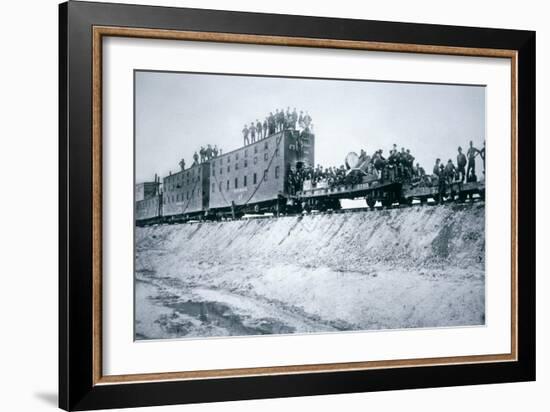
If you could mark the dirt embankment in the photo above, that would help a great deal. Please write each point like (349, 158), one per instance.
(411, 238)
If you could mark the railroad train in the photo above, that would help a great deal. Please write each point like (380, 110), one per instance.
(254, 179)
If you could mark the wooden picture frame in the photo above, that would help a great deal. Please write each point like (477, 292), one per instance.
(82, 385)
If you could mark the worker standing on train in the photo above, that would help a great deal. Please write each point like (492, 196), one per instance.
(379, 162)
(252, 130)
(294, 118)
(461, 165)
(282, 120)
(307, 121)
(402, 162)
(276, 118)
(472, 153)
(266, 127)
(245, 135)
(436, 170)
(271, 123)
(450, 171)
(202, 153)
(288, 118)
(259, 129)
(410, 162)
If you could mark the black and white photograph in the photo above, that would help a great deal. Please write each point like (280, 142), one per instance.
(277, 205)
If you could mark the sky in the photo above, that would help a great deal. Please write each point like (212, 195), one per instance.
(177, 113)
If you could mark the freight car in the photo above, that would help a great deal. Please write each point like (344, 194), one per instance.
(251, 179)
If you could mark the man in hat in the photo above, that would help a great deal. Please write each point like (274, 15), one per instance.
(277, 118)
(266, 126)
(288, 118)
(294, 118)
(436, 170)
(245, 135)
(252, 130)
(301, 119)
(271, 123)
(259, 129)
(307, 121)
(450, 171)
(202, 152)
(281, 120)
(472, 153)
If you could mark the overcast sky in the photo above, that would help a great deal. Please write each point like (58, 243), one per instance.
(176, 113)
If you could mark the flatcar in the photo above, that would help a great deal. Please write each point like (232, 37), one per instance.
(388, 188)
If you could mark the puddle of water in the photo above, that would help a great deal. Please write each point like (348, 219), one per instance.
(222, 316)
(162, 317)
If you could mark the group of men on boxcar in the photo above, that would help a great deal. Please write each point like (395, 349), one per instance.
(274, 123)
(205, 154)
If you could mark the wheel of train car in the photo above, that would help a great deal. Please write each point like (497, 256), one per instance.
(462, 197)
(278, 208)
(256, 208)
(423, 200)
(370, 202)
(335, 204)
(405, 201)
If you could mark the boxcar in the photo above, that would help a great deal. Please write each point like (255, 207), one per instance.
(185, 193)
(253, 178)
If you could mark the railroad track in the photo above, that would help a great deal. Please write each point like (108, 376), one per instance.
(470, 202)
